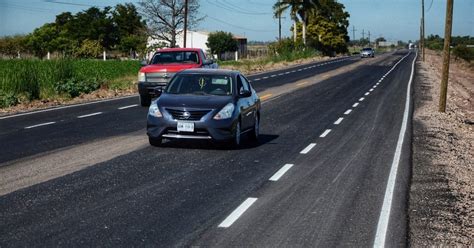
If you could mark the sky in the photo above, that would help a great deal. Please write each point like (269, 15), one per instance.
(392, 19)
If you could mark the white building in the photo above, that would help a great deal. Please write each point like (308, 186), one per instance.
(198, 39)
(194, 39)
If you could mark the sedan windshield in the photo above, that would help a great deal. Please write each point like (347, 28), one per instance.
(220, 85)
(175, 57)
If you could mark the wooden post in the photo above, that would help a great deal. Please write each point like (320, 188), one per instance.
(447, 44)
(423, 28)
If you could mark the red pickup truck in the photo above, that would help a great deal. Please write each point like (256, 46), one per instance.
(164, 64)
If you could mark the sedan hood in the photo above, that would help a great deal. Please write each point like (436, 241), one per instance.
(193, 101)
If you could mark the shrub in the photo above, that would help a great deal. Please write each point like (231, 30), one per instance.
(464, 52)
(7, 99)
(75, 87)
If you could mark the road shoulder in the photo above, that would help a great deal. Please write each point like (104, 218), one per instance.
(441, 195)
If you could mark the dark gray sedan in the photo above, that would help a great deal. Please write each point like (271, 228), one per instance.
(207, 104)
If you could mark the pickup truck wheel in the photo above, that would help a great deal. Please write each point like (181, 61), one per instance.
(145, 100)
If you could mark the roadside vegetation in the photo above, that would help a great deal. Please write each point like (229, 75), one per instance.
(279, 52)
(27, 80)
(460, 48)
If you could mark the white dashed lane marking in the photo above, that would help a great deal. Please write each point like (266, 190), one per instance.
(40, 125)
(280, 172)
(348, 111)
(355, 105)
(89, 115)
(238, 212)
(361, 99)
(308, 148)
(338, 121)
(129, 106)
(325, 133)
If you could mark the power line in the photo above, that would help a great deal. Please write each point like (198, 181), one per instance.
(21, 7)
(73, 4)
(239, 27)
(431, 4)
(222, 5)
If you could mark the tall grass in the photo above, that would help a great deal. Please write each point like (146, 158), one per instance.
(39, 79)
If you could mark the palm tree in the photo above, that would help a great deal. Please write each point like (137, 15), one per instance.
(297, 8)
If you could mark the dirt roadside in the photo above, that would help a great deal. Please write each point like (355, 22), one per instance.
(441, 201)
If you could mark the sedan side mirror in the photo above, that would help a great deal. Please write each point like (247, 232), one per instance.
(245, 93)
(158, 91)
(143, 63)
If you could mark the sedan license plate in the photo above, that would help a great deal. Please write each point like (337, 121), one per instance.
(185, 126)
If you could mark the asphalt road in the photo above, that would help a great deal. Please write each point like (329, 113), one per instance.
(336, 137)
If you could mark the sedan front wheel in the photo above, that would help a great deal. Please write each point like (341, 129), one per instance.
(256, 129)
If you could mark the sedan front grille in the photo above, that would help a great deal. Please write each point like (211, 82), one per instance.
(190, 115)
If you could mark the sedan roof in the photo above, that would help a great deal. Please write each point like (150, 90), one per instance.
(209, 71)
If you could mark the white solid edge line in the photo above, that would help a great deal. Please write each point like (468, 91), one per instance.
(308, 148)
(64, 107)
(40, 125)
(348, 111)
(338, 121)
(237, 212)
(89, 115)
(325, 133)
(355, 105)
(281, 172)
(129, 106)
(382, 225)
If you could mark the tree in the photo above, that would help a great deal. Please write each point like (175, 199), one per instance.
(165, 18)
(220, 42)
(131, 29)
(89, 49)
(12, 45)
(327, 27)
(301, 8)
(40, 42)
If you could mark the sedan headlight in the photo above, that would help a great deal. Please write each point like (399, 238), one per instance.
(154, 110)
(226, 112)
(141, 77)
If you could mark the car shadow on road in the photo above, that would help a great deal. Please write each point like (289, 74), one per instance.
(209, 145)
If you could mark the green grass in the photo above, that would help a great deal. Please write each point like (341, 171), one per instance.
(45, 79)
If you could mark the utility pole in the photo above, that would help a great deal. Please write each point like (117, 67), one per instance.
(421, 35)
(353, 33)
(423, 28)
(369, 37)
(185, 22)
(363, 37)
(447, 44)
(279, 24)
